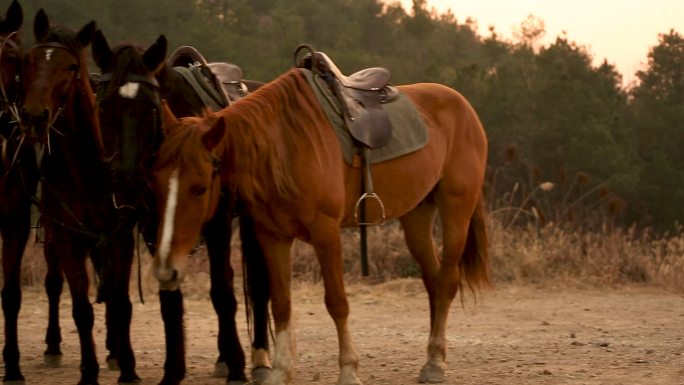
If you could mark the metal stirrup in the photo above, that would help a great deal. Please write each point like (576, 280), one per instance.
(369, 194)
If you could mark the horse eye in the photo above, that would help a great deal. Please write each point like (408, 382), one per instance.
(198, 190)
(73, 68)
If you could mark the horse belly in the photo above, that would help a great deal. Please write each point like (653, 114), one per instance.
(400, 184)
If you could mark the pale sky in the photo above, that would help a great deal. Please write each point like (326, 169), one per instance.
(621, 31)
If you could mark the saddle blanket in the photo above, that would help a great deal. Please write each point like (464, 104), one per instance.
(408, 129)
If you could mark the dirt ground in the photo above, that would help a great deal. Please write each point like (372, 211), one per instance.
(513, 335)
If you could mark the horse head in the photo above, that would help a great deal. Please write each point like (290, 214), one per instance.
(187, 187)
(54, 70)
(128, 104)
(10, 56)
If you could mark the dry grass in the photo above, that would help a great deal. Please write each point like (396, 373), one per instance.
(551, 255)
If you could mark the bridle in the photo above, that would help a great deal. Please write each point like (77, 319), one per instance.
(157, 132)
(49, 47)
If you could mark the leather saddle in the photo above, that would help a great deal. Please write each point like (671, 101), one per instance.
(359, 95)
(222, 78)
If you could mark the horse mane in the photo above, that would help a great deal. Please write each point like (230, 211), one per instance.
(182, 143)
(264, 133)
(268, 130)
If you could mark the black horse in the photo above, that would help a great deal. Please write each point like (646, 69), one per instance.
(79, 217)
(133, 82)
(18, 179)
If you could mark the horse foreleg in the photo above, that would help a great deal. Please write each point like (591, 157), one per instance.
(54, 283)
(116, 258)
(277, 253)
(171, 302)
(256, 275)
(217, 233)
(14, 238)
(73, 256)
(329, 252)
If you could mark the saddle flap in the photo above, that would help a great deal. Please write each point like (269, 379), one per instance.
(367, 121)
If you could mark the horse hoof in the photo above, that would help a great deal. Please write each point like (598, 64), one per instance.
(129, 381)
(14, 382)
(220, 370)
(260, 374)
(13, 377)
(113, 364)
(132, 382)
(236, 382)
(432, 373)
(52, 360)
(348, 376)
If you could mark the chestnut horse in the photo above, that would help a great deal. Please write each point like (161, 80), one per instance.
(79, 218)
(129, 91)
(18, 179)
(276, 148)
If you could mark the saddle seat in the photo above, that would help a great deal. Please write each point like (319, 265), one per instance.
(225, 78)
(359, 95)
(369, 79)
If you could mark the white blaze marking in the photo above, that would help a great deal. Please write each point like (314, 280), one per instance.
(48, 54)
(169, 218)
(129, 90)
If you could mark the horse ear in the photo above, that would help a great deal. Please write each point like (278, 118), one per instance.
(41, 26)
(14, 18)
(214, 136)
(85, 35)
(155, 55)
(102, 54)
(169, 120)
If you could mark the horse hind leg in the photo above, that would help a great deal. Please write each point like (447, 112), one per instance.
(463, 230)
(418, 227)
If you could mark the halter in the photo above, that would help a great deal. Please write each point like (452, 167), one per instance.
(77, 75)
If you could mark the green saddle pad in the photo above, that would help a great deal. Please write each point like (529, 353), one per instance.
(408, 129)
(209, 96)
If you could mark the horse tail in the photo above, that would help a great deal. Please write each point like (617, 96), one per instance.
(474, 264)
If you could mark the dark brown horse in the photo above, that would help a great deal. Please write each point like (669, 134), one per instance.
(132, 83)
(277, 149)
(79, 217)
(18, 179)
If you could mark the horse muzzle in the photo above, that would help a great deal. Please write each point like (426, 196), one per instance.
(169, 278)
(34, 126)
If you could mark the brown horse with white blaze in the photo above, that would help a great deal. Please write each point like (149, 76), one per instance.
(276, 148)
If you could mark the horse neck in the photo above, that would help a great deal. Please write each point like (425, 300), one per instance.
(258, 147)
(77, 142)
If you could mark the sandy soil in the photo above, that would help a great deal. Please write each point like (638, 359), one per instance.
(513, 335)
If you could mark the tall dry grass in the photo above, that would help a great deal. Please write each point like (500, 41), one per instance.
(549, 255)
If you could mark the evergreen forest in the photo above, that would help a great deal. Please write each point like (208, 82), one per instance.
(569, 143)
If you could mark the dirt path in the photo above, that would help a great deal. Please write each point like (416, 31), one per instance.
(515, 335)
